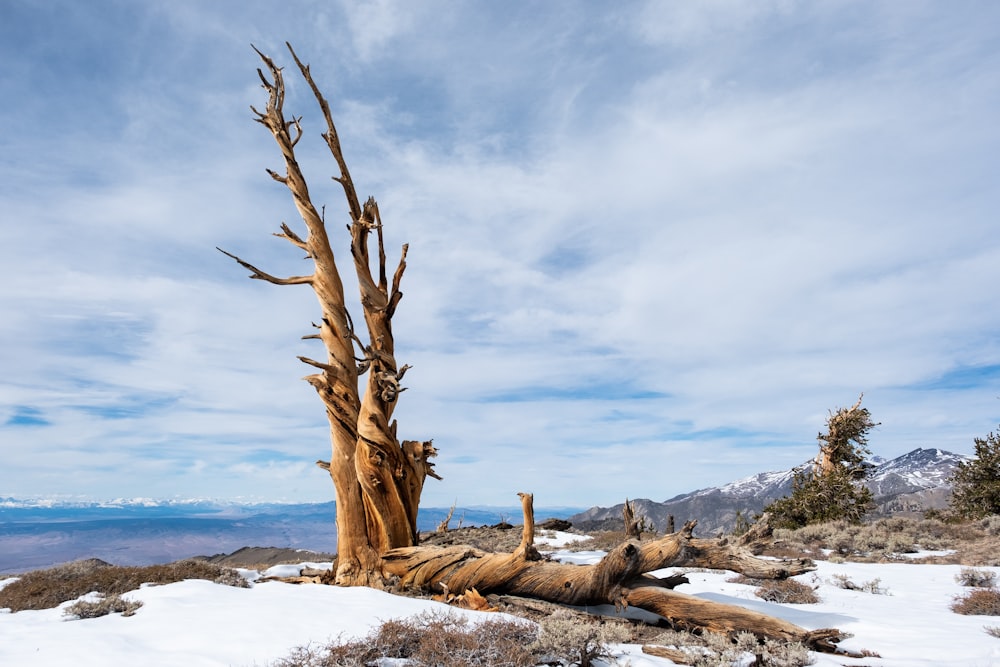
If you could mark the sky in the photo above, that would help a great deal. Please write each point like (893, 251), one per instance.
(652, 245)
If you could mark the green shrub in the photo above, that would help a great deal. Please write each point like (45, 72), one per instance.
(821, 498)
(831, 487)
(976, 483)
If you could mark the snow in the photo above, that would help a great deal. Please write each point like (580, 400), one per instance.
(201, 624)
(558, 538)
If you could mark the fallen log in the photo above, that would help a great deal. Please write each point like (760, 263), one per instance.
(621, 578)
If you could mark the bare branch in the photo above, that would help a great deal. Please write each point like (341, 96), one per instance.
(276, 176)
(292, 237)
(332, 139)
(319, 364)
(396, 295)
(382, 284)
(257, 274)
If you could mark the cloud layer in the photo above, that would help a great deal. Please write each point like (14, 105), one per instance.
(651, 245)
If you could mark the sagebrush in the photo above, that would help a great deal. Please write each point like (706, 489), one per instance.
(114, 604)
(444, 639)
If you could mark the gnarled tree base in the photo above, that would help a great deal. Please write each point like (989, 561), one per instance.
(621, 578)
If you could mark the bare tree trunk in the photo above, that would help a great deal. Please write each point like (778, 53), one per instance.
(379, 480)
(633, 529)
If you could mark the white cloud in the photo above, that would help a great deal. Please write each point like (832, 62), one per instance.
(663, 241)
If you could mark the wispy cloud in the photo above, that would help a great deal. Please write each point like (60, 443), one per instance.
(651, 244)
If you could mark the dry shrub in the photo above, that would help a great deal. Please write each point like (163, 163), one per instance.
(883, 538)
(712, 650)
(445, 639)
(783, 591)
(991, 524)
(874, 586)
(114, 604)
(429, 639)
(970, 576)
(993, 630)
(980, 602)
(786, 591)
(564, 637)
(46, 589)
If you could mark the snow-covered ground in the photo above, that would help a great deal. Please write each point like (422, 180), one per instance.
(200, 624)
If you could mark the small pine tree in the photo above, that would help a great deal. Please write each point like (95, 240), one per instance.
(976, 483)
(831, 489)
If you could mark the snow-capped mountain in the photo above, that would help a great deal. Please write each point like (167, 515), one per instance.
(912, 483)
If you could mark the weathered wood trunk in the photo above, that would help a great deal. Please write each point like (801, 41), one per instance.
(379, 479)
(633, 528)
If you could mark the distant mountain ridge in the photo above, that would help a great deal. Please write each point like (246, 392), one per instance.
(910, 483)
(38, 533)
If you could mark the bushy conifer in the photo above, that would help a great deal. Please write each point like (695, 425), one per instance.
(976, 483)
(832, 487)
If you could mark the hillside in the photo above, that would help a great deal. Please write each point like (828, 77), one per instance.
(908, 484)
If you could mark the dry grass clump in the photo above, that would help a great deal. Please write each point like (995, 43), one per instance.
(114, 604)
(45, 589)
(992, 630)
(980, 602)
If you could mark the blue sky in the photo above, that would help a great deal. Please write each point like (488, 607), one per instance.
(651, 244)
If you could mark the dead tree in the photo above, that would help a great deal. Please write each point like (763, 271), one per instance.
(379, 479)
(633, 524)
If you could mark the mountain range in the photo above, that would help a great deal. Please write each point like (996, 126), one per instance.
(909, 484)
(40, 533)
